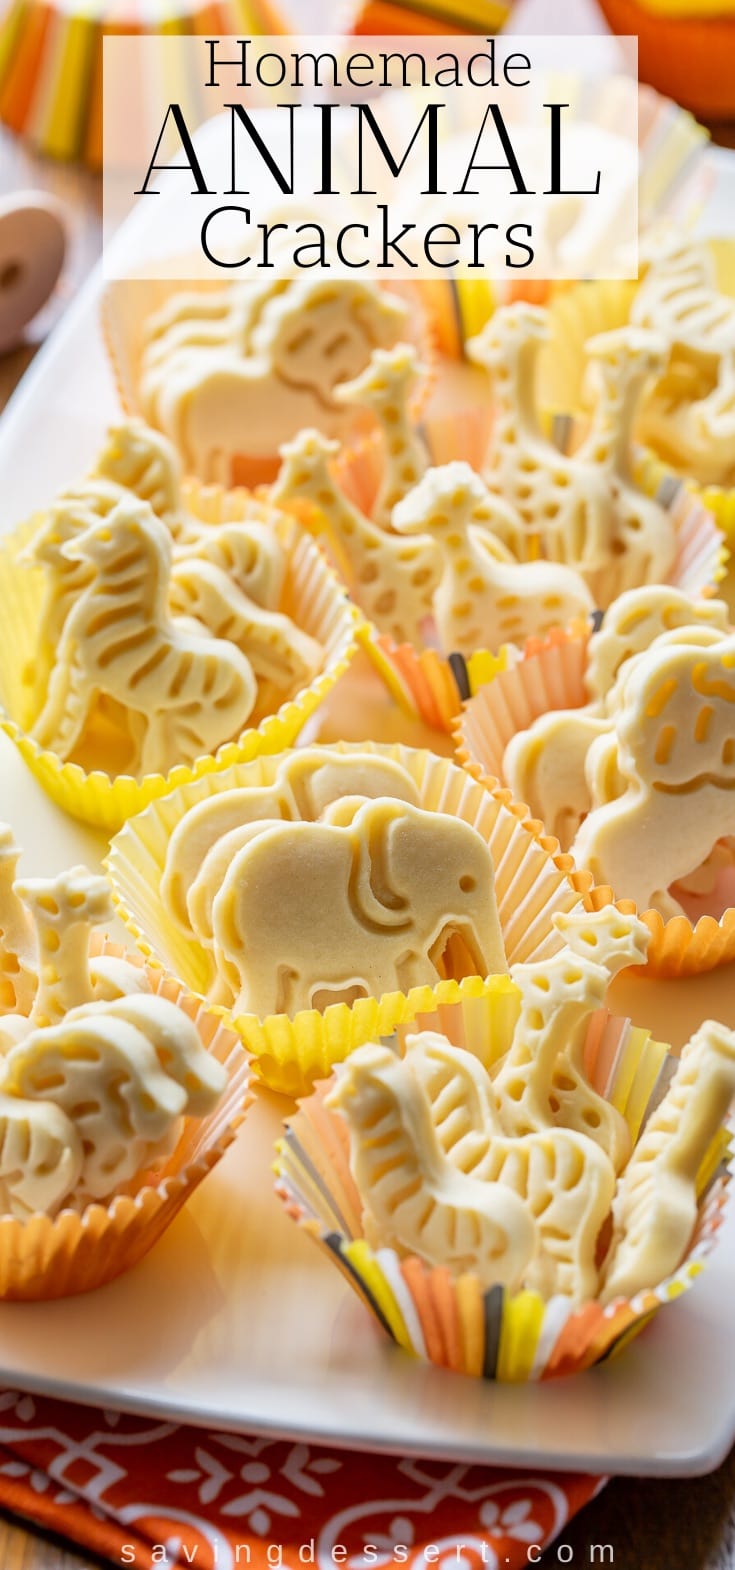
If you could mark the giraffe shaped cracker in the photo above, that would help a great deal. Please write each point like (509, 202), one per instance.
(621, 364)
(415, 1200)
(182, 695)
(485, 598)
(124, 1076)
(63, 911)
(586, 509)
(17, 953)
(675, 730)
(393, 579)
(564, 503)
(361, 906)
(542, 1079)
(656, 1203)
(564, 1178)
(385, 387)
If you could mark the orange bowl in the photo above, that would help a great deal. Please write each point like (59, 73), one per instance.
(687, 54)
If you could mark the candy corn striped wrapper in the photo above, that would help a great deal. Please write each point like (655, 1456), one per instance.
(313, 597)
(532, 883)
(51, 60)
(46, 1257)
(673, 182)
(451, 1320)
(431, 687)
(550, 675)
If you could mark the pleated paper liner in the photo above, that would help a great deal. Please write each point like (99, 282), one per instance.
(580, 310)
(673, 182)
(313, 596)
(51, 60)
(451, 1320)
(129, 303)
(532, 883)
(551, 676)
(431, 687)
(74, 1252)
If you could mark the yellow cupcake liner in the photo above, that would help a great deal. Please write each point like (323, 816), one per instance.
(313, 596)
(532, 883)
(551, 676)
(578, 311)
(451, 1320)
(431, 687)
(44, 1258)
(129, 303)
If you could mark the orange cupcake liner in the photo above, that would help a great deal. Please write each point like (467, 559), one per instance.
(73, 1252)
(550, 675)
(532, 883)
(313, 596)
(453, 1321)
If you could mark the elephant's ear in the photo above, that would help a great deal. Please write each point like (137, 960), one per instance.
(374, 897)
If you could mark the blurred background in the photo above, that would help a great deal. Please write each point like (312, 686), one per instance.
(51, 90)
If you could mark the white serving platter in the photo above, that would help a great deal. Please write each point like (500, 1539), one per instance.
(235, 1319)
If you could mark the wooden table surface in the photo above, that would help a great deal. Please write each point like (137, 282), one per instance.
(682, 1525)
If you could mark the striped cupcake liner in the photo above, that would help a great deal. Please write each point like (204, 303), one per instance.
(532, 883)
(451, 1320)
(49, 1257)
(550, 675)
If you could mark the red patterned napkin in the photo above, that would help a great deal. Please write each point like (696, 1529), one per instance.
(141, 1492)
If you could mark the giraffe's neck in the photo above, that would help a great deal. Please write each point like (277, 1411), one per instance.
(63, 970)
(610, 440)
(515, 393)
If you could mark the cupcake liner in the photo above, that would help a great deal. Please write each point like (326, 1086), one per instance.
(430, 687)
(550, 675)
(532, 883)
(45, 1258)
(451, 1320)
(314, 598)
(581, 310)
(51, 61)
(128, 303)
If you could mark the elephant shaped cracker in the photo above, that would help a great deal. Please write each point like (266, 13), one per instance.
(306, 782)
(266, 371)
(675, 730)
(414, 1199)
(394, 579)
(124, 1075)
(182, 694)
(485, 598)
(314, 912)
(655, 1207)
